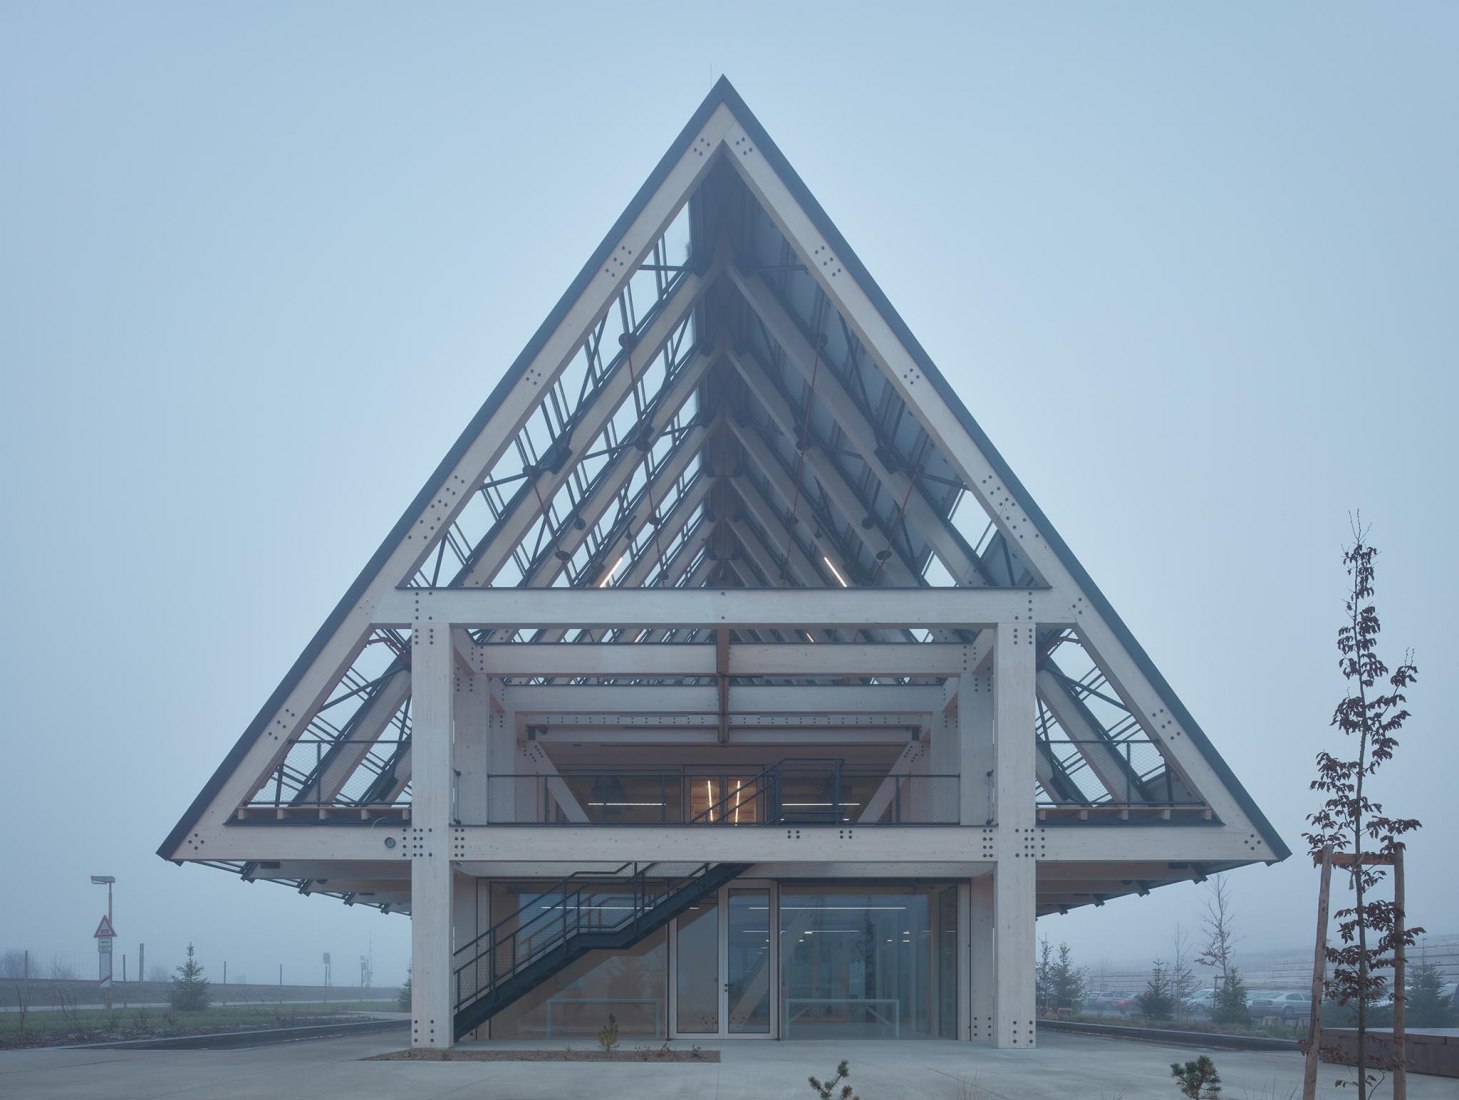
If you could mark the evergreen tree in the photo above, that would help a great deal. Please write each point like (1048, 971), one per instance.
(1182, 977)
(1428, 1004)
(1229, 1006)
(1156, 1003)
(190, 991)
(1043, 993)
(1068, 983)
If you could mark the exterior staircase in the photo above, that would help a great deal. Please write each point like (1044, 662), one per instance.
(520, 952)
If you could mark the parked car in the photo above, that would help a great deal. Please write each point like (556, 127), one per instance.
(1199, 1002)
(1107, 1002)
(1273, 1002)
(1126, 1003)
(1259, 1001)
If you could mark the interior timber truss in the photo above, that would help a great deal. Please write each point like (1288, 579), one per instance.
(724, 512)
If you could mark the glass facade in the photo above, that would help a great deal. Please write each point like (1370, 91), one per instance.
(633, 984)
(696, 970)
(867, 962)
(854, 961)
(749, 979)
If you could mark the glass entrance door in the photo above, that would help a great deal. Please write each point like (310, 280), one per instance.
(724, 965)
(749, 968)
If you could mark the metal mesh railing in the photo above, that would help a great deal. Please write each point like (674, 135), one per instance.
(1099, 772)
(785, 793)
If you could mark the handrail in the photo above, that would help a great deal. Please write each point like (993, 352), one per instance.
(572, 923)
(560, 884)
(830, 793)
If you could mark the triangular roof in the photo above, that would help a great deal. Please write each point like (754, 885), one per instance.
(722, 397)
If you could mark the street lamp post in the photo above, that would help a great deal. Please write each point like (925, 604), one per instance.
(104, 943)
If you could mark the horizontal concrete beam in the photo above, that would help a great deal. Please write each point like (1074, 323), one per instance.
(761, 608)
(750, 659)
(651, 699)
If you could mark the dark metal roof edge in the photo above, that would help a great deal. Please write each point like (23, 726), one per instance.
(848, 257)
(721, 92)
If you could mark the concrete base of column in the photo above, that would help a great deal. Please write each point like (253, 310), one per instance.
(1014, 1012)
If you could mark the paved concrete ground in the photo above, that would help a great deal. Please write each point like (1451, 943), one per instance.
(1063, 1067)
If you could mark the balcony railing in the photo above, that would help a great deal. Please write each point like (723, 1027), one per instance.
(1097, 779)
(788, 793)
(296, 789)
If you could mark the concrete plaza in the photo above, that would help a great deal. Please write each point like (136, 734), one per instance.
(1063, 1066)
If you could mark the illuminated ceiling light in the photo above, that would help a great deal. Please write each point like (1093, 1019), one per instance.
(608, 579)
(835, 572)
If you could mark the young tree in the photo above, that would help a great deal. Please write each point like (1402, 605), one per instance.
(1069, 984)
(1043, 991)
(1229, 1004)
(1155, 1003)
(1429, 1004)
(1182, 977)
(1199, 1079)
(190, 992)
(1370, 714)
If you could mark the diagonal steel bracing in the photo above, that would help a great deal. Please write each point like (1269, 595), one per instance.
(957, 557)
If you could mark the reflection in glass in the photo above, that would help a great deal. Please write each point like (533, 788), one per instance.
(697, 969)
(632, 984)
(863, 962)
(749, 962)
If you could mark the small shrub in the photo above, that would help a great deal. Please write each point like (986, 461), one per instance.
(402, 999)
(66, 1008)
(1197, 1080)
(608, 1034)
(827, 1091)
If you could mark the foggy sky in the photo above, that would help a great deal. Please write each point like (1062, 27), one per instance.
(1192, 269)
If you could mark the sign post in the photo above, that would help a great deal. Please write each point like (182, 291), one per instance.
(103, 935)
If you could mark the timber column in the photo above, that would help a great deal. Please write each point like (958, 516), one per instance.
(977, 765)
(429, 835)
(1019, 841)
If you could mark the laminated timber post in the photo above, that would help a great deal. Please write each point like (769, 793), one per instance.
(1019, 843)
(428, 840)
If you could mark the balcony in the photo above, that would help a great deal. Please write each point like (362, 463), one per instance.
(791, 792)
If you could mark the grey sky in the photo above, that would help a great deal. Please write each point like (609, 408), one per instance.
(1193, 269)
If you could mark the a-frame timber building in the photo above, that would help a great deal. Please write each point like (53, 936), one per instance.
(723, 677)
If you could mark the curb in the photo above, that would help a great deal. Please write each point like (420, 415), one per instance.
(1165, 1035)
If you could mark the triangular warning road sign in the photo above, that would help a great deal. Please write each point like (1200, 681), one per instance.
(104, 930)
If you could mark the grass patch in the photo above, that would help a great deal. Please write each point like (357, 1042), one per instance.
(1267, 1028)
(65, 1027)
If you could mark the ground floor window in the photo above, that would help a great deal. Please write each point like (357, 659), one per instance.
(867, 962)
(798, 961)
(632, 985)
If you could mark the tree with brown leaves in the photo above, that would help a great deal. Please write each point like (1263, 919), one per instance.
(1370, 715)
